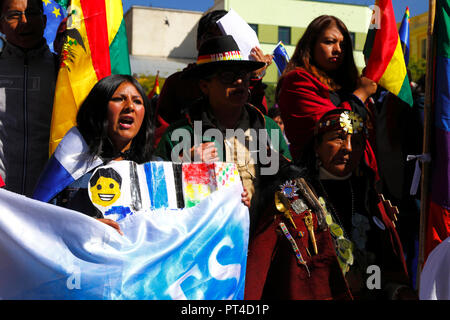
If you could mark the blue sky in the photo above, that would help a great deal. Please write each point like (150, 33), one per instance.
(416, 7)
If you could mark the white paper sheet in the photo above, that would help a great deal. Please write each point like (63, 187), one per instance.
(245, 37)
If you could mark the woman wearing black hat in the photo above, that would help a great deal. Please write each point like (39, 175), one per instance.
(224, 81)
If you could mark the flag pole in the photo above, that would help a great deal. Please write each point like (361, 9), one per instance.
(427, 133)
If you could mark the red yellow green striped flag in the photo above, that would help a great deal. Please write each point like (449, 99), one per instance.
(155, 90)
(384, 55)
(95, 46)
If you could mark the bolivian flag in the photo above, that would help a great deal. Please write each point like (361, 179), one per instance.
(384, 55)
(155, 90)
(95, 46)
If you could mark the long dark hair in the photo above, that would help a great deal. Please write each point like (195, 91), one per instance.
(345, 77)
(92, 121)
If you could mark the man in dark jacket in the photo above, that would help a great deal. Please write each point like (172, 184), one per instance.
(27, 84)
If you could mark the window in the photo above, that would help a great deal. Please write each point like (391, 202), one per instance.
(423, 47)
(254, 27)
(284, 35)
(352, 36)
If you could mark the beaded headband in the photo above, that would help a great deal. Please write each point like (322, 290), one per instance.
(222, 56)
(346, 120)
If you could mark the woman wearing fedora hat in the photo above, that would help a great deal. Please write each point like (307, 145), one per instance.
(223, 77)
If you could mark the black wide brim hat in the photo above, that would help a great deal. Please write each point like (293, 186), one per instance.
(220, 52)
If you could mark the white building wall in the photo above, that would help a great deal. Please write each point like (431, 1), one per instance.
(164, 33)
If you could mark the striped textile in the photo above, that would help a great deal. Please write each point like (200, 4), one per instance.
(384, 55)
(438, 214)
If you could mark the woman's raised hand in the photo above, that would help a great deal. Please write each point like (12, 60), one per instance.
(366, 88)
(258, 55)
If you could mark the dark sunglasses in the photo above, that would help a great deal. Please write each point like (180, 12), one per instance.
(230, 76)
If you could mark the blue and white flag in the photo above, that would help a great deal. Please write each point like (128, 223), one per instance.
(69, 162)
(281, 57)
(48, 252)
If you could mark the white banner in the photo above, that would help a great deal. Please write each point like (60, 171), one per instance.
(48, 252)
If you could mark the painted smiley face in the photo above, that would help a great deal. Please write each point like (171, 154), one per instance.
(105, 187)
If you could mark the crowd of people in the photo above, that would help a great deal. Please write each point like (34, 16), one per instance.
(317, 223)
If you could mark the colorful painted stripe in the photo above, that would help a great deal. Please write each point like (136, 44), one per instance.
(224, 56)
(156, 185)
(162, 185)
(386, 63)
(170, 185)
(199, 181)
(178, 177)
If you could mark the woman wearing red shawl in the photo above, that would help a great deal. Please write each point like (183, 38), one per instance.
(321, 76)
